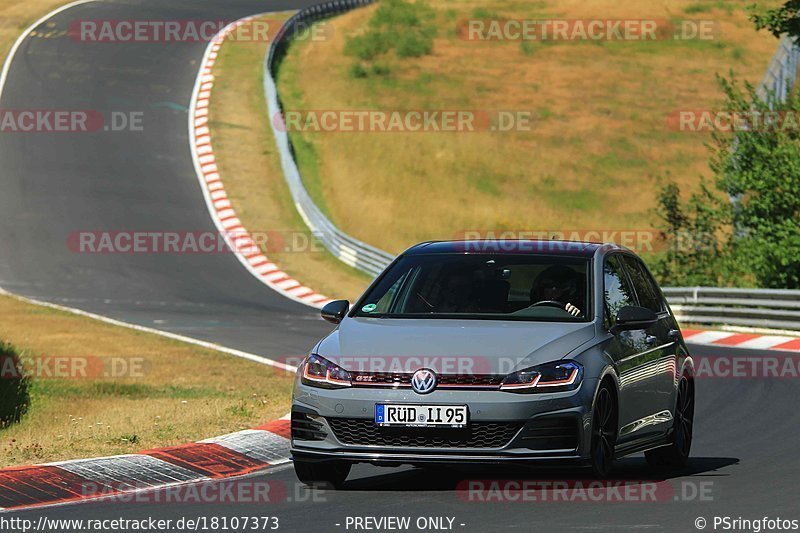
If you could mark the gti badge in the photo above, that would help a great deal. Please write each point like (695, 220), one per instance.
(423, 381)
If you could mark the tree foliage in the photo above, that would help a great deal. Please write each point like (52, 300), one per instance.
(748, 232)
(399, 25)
(783, 19)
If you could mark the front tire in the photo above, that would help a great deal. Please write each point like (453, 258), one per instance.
(322, 474)
(604, 431)
(676, 454)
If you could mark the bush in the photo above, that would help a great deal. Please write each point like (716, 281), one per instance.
(367, 46)
(14, 385)
(760, 170)
(399, 25)
(414, 45)
(752, 236)
(358, 71)
(696, 252)
(380, 70)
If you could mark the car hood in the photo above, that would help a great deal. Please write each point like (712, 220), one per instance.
(445, 346)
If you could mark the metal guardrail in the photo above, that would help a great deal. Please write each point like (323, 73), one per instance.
(782, 70)
(760, 308)
(756, 308)
(347, 249)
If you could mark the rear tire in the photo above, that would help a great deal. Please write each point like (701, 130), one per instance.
(328, 474)
(604, 431)
(676, 454)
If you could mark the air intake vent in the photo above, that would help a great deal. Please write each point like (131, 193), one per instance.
(305, 428)
(557, 433)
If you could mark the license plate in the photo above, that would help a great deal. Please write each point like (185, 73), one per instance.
(452, 416)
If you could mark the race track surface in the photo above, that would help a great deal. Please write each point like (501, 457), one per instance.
(55, 184)
(740, 467)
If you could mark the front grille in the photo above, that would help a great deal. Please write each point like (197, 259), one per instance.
(364, 432)
(553, 433)
(304, 428)
(402, 379)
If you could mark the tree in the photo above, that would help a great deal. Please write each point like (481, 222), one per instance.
(754, 240)
(784, 19)
(761, 169)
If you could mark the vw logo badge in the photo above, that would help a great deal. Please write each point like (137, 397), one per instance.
(423, 381)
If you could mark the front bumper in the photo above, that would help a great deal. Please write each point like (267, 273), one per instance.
(542, 428)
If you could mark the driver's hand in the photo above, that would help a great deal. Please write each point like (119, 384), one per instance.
(571, 309)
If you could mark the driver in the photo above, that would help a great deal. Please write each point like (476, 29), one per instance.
(560, 284)
(457, 293)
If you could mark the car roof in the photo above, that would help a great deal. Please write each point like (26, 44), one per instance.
(512, 246)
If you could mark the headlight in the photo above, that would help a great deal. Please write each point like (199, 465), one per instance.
(319, 372)
(549, 377)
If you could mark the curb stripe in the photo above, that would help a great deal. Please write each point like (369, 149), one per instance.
(222, 213)
(282, 427)
(749, 341)
(735, 339)
(129, 472)
(793, 345)
(36, 485)
(209, 459)
(227, 456)
(256, 444)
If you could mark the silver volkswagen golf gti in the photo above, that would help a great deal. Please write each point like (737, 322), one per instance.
(497, 351)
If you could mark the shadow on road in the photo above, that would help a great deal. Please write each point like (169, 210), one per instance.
(443, 478)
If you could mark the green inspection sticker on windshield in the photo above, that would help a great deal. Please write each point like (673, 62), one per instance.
(369, 308)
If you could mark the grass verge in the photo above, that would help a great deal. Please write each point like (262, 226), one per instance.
(136, 390)
(249, 164)
(17, 15)
(598, 147)
(171, 392)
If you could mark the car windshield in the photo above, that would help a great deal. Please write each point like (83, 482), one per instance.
(507, 287)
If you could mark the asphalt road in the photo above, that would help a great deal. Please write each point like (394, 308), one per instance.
(743, 462)
(57, 184)
(743, 465)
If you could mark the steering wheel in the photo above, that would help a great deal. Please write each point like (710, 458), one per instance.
(548, 303)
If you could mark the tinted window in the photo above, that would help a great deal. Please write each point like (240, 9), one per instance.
(643, 284)
(616, 288)
(507, 286)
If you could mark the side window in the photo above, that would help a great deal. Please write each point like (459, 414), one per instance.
(389, 301)
(385, 303)
(616, 288)
(643, 284)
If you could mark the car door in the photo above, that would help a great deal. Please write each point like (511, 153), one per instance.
(633, 356)
(661, 337)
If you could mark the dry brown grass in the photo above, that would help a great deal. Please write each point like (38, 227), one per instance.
(17, 15)
(250, 167)
(598, 148)
(184, 393)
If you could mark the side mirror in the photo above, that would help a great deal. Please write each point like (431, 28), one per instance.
(633, 317)
(334, 311)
